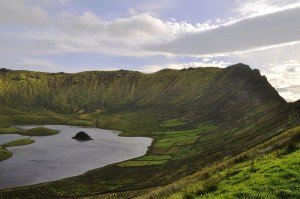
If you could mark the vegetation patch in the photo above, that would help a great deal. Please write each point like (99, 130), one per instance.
(39, 131)
(172, 123)
(9, 117)
(10, 130)
(10, 111)
(206, 126)
(80, 122)
(130, 124)
(135, 163)
(170, 139)
(18, 142)
(5, 154)
(146, 160)
(154, 157)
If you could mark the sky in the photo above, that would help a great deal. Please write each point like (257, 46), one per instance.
(147, 36)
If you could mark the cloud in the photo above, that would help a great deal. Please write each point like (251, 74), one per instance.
(137, 35)
(248, 34)
(155, 6)
(36, 64)
(20, 13)
(261, 7)
(281, 65)
(285, 78)
(48, 2)
(57, 33)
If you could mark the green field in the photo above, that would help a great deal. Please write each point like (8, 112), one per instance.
(10, 117)
(146, 160)
(172, 123)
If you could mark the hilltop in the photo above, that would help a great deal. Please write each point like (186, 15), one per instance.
(196, 116)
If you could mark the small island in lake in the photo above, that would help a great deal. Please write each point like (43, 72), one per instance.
(39, 131)
(82, 136)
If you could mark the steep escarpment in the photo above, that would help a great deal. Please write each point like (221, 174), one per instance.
(202, 90)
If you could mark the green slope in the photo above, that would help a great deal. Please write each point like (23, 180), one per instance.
(273, 175)
(204, 89)
(35, 116)
(267, 177)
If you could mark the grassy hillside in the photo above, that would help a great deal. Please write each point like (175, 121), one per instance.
(9, 117)
(262, 174)
(267, 177)
(183, 90)
(197, 117)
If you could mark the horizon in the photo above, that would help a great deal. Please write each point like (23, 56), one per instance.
(123, 69)
(72, 36)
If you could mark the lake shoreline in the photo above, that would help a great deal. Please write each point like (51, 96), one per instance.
(108, 145)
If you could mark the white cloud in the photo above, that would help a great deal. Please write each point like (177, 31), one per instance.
(261, 7)
(64, 32)
(285, 78)
(140, 34)
(248, 34)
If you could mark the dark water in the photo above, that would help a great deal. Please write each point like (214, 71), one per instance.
(59, 156)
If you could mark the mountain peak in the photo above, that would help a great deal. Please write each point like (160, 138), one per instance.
(4, 70)
(240, 66)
